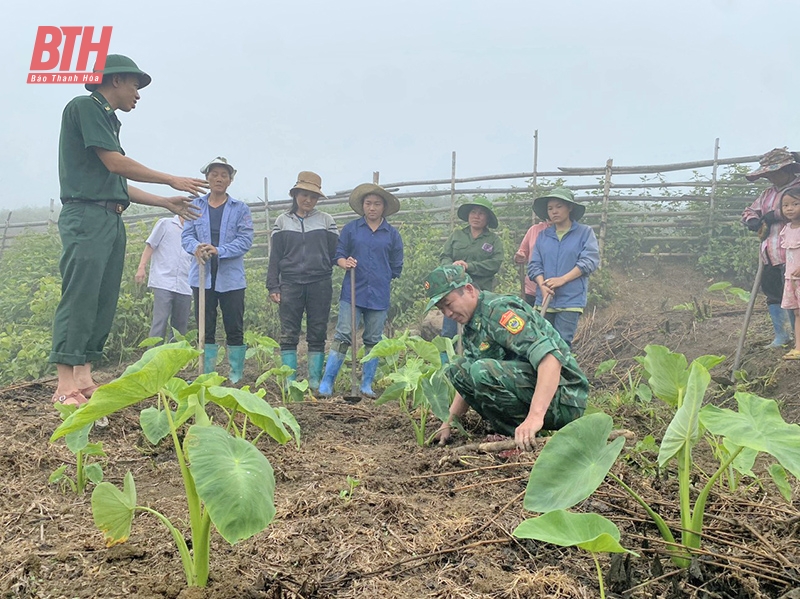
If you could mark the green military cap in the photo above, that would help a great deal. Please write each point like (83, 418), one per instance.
(479, 202)
(119, 64)
(442, 281)
(558, 193)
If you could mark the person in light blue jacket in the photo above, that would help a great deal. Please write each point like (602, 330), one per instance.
(220, 238)
(564, 256)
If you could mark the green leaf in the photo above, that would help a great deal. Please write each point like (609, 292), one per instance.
(444, 344)
(94, 472)
(139, 381)
(742, 463)
(151, 341)
(684, 430)
(604, 367)
(95, 449)
(439, 393)
(155, 424)
(758, 425)
(667, 373)
(57, 474)
(572, 464)
(778, 474)
(79, 439)
(297, 390)
(113, 509)
(387, 347)
(233, 479)
(591, 532)
(427, 351)
(719, 286)
(289, 420)
(392, 393)
(708, 362)
(257, 409)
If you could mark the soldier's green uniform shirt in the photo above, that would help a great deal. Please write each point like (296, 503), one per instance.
(504, 343)
(483, 255)
(89, 122)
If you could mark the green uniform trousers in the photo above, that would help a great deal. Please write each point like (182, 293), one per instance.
(501, 392)
(92, 259)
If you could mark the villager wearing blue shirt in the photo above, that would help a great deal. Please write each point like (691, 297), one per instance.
(564, 256)
(372, 249)
(220, 238)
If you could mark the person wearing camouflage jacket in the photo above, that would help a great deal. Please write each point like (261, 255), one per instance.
(516, 371)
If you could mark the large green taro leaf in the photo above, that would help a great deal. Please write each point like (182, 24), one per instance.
(155, 424)
(233, 479)
(140, 380)
(439, 393)
(572, 464)
(113, 509)
(257, 409)
(757, 425)
(591, 532)
(667, 371)
(684, 430)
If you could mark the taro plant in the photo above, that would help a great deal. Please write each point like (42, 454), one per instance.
(577, 459)
(291, 391)
(417, 382)
(228, 482)
(347, 494)
(78, 443)
(261, 348)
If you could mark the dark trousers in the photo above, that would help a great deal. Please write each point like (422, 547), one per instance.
(772, 282)
(315, 300)
(232, 305)
(92, 257)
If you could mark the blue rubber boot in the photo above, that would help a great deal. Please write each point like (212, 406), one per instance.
(782, 326)
(367, 376)
(210, 357)
(316, 360)
(236, 355)
(335, 361)
(289, 358)
(444, 357)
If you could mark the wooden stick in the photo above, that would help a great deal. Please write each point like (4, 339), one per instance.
(497, 446)
(748, 313)
(201, 314)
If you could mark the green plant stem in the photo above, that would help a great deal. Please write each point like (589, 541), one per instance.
(183, 548)
(682, 561)
(599, 575)
(684, 460)
(80, 474)
(700, 505)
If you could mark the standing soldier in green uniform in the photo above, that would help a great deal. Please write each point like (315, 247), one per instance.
(475, 247)
(93, 172)
(516, 371)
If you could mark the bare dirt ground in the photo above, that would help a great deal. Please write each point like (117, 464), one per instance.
(422, 522)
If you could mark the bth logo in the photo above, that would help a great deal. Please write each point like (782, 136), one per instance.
(53, 51)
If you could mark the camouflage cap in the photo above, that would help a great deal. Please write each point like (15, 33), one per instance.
(442, 281)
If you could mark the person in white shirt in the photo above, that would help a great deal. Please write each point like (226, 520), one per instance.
(169, 278)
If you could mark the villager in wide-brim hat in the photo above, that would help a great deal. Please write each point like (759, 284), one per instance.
(308, 181)
(559, 193)
(122, 65)
(486, 204)
(390, 203)
(773, 161)
(219, 161)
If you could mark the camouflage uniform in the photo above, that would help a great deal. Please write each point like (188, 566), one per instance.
(503, 344)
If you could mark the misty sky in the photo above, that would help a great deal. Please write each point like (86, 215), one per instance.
(346, 88)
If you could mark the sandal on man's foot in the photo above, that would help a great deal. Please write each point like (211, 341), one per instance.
(76, 398)
(88, 391)
(792, 355)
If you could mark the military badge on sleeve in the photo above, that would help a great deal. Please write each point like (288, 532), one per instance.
(512, 322)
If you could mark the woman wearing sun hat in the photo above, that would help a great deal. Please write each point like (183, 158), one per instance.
(372, 249)
(220, 237)
(780, 168)
(475, 247)
(299, 274)
(564, 256)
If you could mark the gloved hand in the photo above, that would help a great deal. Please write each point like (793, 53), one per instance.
(771, 217)
(753, 224)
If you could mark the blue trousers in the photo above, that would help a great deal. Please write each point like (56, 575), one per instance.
(373, 320)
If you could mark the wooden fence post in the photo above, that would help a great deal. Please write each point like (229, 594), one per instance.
(266, 216)
(604, 212)
(535, 169)
(376, 176)
(5, 233)
(712, 199)
(50, 220)
(453, 192)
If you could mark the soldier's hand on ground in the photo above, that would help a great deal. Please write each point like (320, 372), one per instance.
(196, 187)
(443, 435)
(182, 206)
(525, 433)
(519, 258)
(140, 276)
(275, 297)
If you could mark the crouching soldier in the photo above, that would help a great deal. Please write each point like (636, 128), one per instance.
(516, 371)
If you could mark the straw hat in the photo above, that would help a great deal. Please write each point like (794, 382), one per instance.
(392, 204)
(559, 193)
(308, 181)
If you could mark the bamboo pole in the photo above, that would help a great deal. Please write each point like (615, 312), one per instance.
(5, 233)
(266, 215)
(376, 176)
(453, 192)
(604, 214)
(747, 315)
(711, 221)
(535, 168)
(201, 314)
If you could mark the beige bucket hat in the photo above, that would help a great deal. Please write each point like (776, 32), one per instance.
(308, 181)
